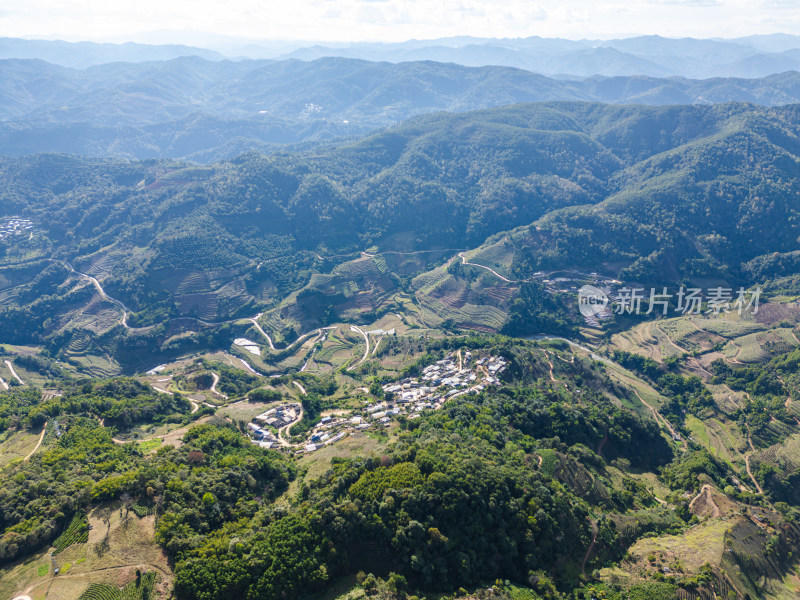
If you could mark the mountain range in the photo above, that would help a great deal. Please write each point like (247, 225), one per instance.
(655, 56)
(205, 110)
(658, 194)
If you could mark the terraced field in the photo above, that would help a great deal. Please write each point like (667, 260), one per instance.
(497, 256)
(76, 533)
(760, 346)
(97, 366)
(648, 339)
(476, 303)
(706, 338)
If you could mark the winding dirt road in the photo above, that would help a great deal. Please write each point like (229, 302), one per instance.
(13, 372)
(552, 376)
(659, 419)
(98, 286)
(39, 443)
(366, 348)
(254, 320)
(705, 491)
(492, 271)
(213, 388)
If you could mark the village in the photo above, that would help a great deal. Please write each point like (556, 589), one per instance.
(444, 380)
(14, 226)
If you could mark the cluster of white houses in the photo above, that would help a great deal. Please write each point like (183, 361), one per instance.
(275, 418)
(444, 380)
(439, 382)
(13, 226)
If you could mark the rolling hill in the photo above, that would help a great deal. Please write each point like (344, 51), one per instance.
(207, 110)
(661, 194)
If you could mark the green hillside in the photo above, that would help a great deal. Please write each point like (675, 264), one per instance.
(645, 194)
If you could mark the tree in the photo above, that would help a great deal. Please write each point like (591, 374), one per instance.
(127, 502)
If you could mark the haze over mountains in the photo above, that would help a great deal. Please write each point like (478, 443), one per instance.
(204, 110)
(655, 56)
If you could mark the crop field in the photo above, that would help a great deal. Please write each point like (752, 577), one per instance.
(717, 437)
(336, 350)
(148, 446)
(728, 326)
(169, 433)
(427, 281)
(98, 316)
(790, 452)
(132, 591)
(649, 340)
(775, 312)
(677, 328)
(16, 445)
(468, 303)
(785, 457)
(701, 544)
(76, 533)
(111, 556)
(357, 268)
(760, 346)
(481, 317)
(550, 461)
(497, 256)
(688, 333)
(96, 366)
(646, 391)
(204, 305)
(356, 444)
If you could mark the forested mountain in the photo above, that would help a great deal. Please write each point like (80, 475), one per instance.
(655, 56)
(656, 194)
(207, 110)
(327, 357)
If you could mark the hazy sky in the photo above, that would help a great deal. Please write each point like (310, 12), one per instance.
(394, 20)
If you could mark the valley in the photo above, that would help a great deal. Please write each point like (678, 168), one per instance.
(362, 368)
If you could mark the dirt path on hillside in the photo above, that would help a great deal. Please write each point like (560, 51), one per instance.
(749, 472)
(492, 271)
(705, 492)
(99, 287)
(254, 320)
(552, 375)
(591, 546)
(213, 388)
(660, 419)
(357, 329)
(13, 372)
(177, 434)
(39, 443)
